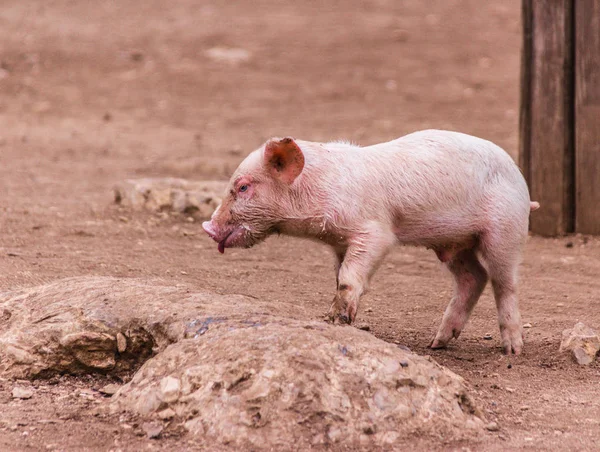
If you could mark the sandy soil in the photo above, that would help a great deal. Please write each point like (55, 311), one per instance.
(95, 92)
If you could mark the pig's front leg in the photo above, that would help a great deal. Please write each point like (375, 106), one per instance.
(362, 257)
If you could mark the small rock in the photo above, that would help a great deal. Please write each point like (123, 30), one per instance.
(369, 310)
(169, 389)
(524, 408)
(233, 56)
(121, 342)
(560, 305)
(492, 427)
(166, 414)
(22, 393)
(364, 327)
(487, 337)
(511, 390)
(109, 389)
(569, 244)
(527, 325)
(152, 429)
(582, 342)
(199, 198)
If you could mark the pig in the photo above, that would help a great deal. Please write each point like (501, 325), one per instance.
(462, 197)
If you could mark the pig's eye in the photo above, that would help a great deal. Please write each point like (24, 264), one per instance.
(243, 188)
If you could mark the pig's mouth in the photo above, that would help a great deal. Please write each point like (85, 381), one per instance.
(235, 237)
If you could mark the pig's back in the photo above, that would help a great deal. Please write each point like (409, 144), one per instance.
(447, 181)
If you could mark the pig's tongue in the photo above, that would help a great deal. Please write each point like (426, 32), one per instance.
(221, 246)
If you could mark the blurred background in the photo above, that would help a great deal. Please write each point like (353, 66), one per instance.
(186, 88)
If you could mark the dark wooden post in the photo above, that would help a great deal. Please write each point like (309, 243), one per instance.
(560, 114)
(546, 121)
(587, 116)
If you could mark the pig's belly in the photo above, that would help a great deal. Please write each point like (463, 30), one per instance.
(439, 231)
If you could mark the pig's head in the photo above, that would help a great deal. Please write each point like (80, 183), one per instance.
(259, 195)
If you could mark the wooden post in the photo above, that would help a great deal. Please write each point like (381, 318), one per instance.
(547, 119)
(560, 114)
(587, 116)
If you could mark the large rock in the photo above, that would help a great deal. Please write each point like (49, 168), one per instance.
(232, 370)
(197, 198)
(582, 342)
(108, 325)
(274, 382)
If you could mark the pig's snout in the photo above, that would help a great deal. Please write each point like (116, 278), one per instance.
(209, 228)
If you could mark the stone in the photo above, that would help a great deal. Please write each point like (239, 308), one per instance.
(74, 325)
(91, 349)
(231, 370)
(582, 342)
(166, 414)
(121, 343)
(229, 55)
(194, 198)
(109, 389)
(19, 392)
(169, 389)
(152, 429)
(266, 383)
(492, 427)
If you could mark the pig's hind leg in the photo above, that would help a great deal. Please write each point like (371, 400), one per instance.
(501, 253)
(470, 279)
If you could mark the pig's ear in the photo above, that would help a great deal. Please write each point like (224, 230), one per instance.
(284, 159)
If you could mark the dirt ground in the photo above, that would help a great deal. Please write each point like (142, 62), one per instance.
(92, 93)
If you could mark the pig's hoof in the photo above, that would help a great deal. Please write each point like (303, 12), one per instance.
(436, 344)
(344, 319)
(442, 338)
(338, 319)
(512, 340)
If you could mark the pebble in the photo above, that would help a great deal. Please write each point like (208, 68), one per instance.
(560, 305)
(364, 327)
(487, 337)
(165, 414)
(121, 342)
(109, 389)
(527, 325)
(169, 387)
(369, 310)
(152, 429)
(22, 393)
(492, 427)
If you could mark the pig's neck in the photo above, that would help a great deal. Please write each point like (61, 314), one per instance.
(313, 214)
